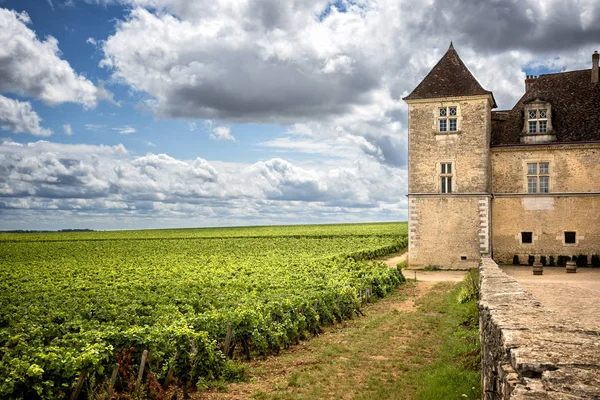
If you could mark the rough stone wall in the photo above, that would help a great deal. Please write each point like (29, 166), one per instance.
(468, 149)
(445, 228)
(547, 218)
(573, 167)
(573, 203)
(528, 352)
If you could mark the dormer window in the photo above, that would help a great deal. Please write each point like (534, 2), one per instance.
(537, 121)
(447, 119)
(537, 124)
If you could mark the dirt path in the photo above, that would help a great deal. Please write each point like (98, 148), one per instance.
(355, 359)
(338, 362)
(396, 259)
(348, 359)
(428, 276)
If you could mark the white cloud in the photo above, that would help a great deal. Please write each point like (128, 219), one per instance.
(335, 73)
(19, 117)
(150, 144)
(94, 127)
(68, 130)
(106, 182)
(336, 77)
(125, 129)
(222, 133)
(32, 67)
(91, 41)
(192, 126)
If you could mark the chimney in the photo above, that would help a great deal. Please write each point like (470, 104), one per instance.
(529, 81)
(595, 58)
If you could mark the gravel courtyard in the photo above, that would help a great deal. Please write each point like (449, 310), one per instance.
(575, 297)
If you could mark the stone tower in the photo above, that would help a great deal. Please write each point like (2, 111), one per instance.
(449, 169)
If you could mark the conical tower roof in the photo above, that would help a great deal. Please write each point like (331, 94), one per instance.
(450, 77)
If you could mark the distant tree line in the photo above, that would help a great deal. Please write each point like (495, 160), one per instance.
(41, 231)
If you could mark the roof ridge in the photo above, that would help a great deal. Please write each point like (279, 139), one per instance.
(565, 72)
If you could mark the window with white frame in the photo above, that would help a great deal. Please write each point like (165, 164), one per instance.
(537, 120)
(446, 175)
(447, 119)
(538, 177)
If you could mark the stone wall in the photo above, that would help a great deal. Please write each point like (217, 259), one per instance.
(547, 218)
(467, 149)
(573, 203)
(449, 230)
(528, 351)
(573, 167)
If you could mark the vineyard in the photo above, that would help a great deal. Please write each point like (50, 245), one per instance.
(72, 305)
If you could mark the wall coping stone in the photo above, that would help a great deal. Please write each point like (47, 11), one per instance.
(528, 350)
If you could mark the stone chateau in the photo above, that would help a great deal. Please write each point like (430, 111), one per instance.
(487, 183)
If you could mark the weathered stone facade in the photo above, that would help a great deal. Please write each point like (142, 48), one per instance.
(427, 147)
(528, 352)
(572, 204)
(574, 167)
(454, 223)
(488, 205)
(450, 230)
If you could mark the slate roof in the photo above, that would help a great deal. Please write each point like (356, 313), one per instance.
(575, 102)
(448, 78)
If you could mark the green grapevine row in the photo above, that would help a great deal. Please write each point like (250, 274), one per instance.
(70, 306)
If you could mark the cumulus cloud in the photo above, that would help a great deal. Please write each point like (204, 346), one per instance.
(537, 26)
(32, 67)
(68, 130)
(222, 133)
(19, 117)
(105, 181)
(193, 71)
(339, 69)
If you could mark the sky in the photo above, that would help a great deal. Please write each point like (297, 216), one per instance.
(132, 114)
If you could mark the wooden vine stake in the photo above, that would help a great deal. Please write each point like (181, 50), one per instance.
(79, 386)
(246, 348)
(227, 345)
(141, 372)
(316, 307)
(113, 380)
(168, 379)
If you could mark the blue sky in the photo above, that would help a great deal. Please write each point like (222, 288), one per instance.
(121, 114)
(72, 26)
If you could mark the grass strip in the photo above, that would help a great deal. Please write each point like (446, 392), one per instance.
(422, 342)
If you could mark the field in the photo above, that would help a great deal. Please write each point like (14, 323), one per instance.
(73, 303)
